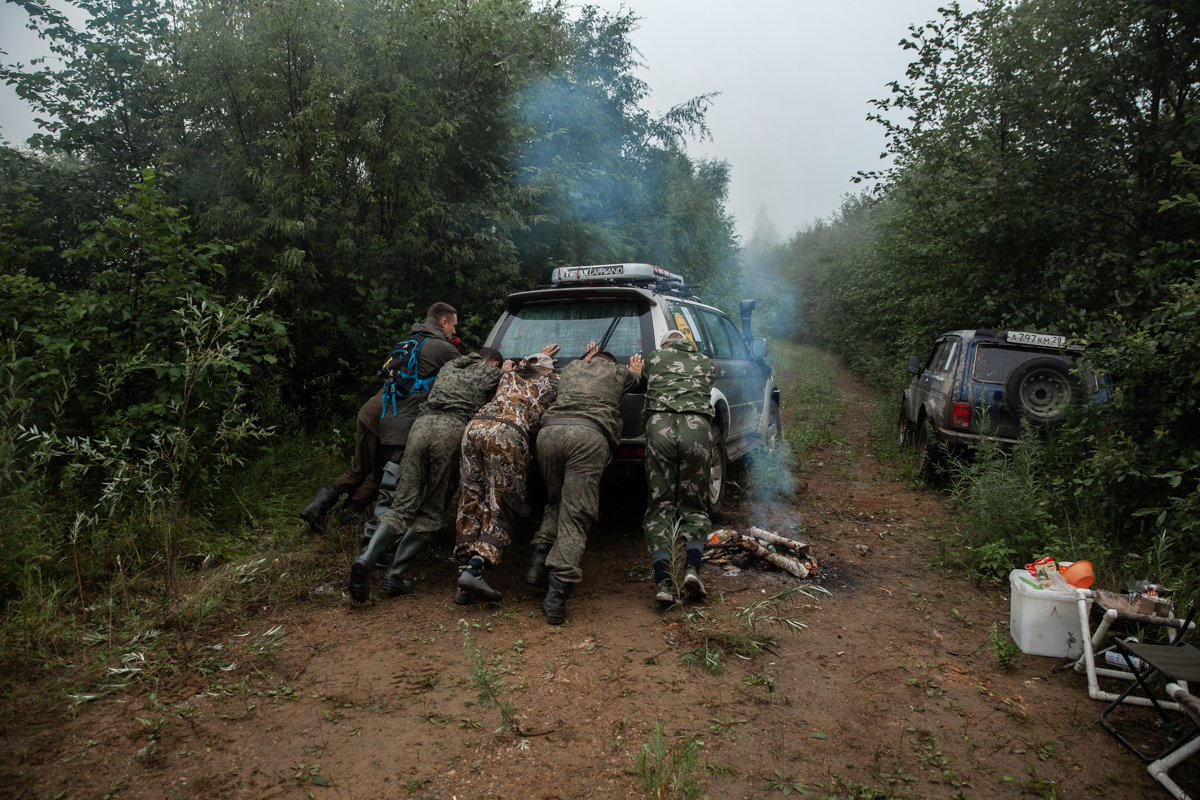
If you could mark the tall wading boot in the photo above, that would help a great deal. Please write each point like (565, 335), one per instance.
(555, 604)
(359, 586)
(411, 546)
(470, 580)
(314, 513)
(387, 493)
(538, 573)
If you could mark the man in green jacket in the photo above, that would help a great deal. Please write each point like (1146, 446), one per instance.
(580, 431)
(437, 342)
(428, 471)
(679, 440)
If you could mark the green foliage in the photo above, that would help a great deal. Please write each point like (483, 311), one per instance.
(664, 768)
(488, 675)
(1043, 178)
(1006, 650)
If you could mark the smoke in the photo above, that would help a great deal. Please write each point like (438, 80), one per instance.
(764, 259)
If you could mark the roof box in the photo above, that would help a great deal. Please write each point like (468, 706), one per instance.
(613, 273)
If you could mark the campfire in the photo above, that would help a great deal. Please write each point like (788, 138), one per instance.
(761, 549)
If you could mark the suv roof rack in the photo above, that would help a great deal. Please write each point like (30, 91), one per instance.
(646, 276)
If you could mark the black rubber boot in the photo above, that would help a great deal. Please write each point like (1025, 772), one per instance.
(314, 513)
(538, 573)
(352, 508)
(387, 493)
(359, 586)
(555, 604)
(470, 580)
(411, 546)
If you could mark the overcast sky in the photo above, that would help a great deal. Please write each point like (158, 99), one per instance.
(795, 78)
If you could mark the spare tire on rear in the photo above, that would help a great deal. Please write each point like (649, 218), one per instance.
(1041, 390)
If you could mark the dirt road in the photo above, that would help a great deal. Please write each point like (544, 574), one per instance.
(892, 690)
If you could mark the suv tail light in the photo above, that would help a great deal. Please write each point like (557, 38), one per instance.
(962, 415)
(631, 451)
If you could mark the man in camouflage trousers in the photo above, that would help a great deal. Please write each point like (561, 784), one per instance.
(580, 431)
(428, 471)
(679, 440)
(496, 448)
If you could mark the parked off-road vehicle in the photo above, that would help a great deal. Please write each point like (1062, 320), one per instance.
(983, 383)
(626, 308)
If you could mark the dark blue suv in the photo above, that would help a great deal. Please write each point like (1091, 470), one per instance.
(982, 383)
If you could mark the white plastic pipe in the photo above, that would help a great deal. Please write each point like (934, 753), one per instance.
(1159, 769)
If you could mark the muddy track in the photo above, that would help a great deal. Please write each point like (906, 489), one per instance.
(892, 688)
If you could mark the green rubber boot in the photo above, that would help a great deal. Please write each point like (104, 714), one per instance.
(360, 571)
(411, 546)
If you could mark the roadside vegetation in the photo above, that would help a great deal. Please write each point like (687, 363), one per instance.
(1043, 178)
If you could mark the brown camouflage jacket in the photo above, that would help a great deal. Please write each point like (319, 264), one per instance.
(679, 379)
(592, 390)
(462, 386)
(521, 399)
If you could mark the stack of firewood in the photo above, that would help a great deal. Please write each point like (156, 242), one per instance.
(763, 549)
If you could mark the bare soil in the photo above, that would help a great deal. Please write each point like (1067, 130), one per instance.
(892, 690)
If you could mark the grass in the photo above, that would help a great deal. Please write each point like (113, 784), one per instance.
(809, 404)
(664, 769)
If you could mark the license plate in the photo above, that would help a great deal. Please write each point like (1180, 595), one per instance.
(1036, 339)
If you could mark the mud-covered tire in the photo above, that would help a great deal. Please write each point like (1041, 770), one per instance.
(902, 427)
(718, 473)
(1041, 390)
(926, 449)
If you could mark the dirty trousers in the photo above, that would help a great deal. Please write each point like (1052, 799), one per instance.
(495, 460)
(572, 459)
(678, 463)
(428, 475)
(361, 481)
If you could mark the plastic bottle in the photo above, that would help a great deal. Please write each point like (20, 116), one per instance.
(1113, 657)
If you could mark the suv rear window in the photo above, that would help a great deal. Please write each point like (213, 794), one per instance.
(572, 325)
(993, 364)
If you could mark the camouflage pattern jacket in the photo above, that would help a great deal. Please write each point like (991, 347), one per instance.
(592, 390)
(521, 398)
(462, 386)
(679, 379)
(437, 351)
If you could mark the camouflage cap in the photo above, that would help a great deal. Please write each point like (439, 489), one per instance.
(539, 360)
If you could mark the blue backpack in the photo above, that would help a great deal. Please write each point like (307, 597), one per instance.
(399, 373)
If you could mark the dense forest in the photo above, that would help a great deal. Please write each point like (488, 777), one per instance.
(234, 209)
(1041, 178)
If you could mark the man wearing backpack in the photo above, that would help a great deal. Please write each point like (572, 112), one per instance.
(428, 472)
(434, 344)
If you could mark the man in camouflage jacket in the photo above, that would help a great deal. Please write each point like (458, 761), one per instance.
(496, 449)
(580, 431)
(428, 471)
(679, 440)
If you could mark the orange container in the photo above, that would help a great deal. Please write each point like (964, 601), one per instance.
(1078, 574)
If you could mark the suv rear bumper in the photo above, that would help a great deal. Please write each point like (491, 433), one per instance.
(956, 438)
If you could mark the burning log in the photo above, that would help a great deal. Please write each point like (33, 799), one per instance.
(796, 561)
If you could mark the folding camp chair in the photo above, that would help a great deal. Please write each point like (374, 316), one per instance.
(1159, 767)
(1092, 641)
(1179, 664)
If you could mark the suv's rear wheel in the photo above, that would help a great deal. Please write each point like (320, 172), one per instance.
(926, 452)
(1040, 390)
(717, 473)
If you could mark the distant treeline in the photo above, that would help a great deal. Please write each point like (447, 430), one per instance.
(1041, 179)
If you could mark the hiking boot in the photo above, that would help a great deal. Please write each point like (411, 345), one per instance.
(359, 586)
(693, 587)
(555, 604)
(411, 546)
(538, 573)
(666, 593)
(314, 513)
